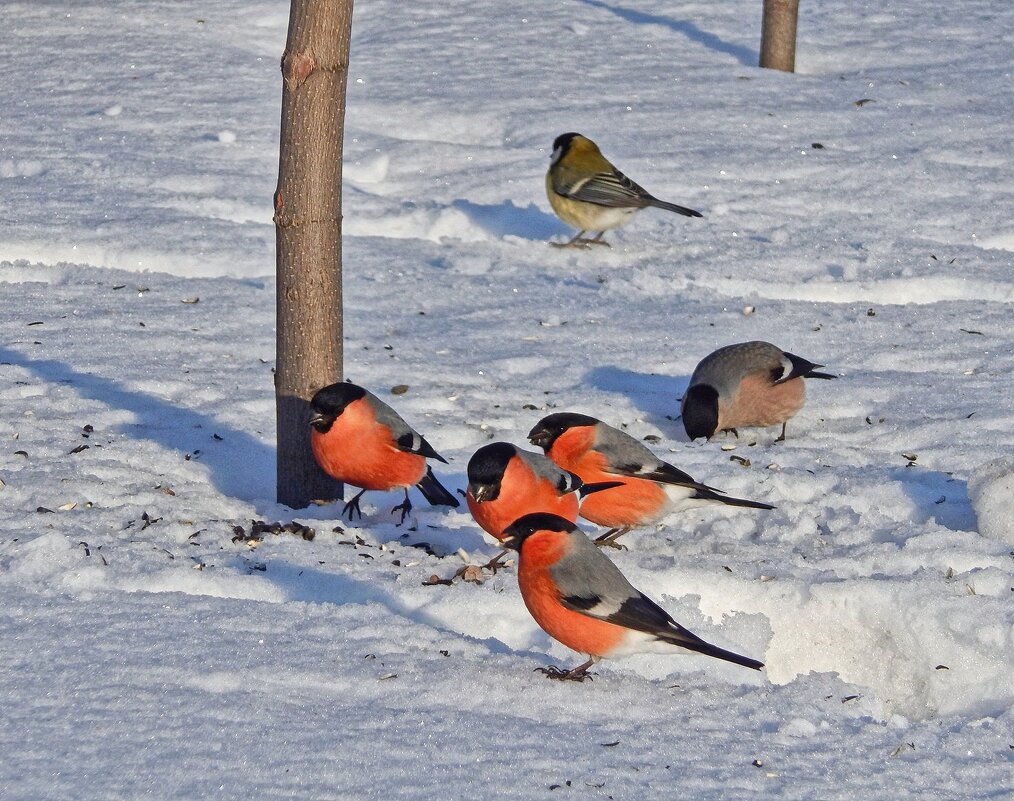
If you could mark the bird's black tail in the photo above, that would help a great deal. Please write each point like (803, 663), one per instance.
(597, 486)
(708, 494)
(661, 204)
(685, 639)
(434, 492)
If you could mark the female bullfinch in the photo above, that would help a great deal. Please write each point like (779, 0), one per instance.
(649, 488)
(590, 194)
(579, 597)
(359, 439)
(744, 385)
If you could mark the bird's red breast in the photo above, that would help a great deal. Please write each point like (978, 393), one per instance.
(579, 632)
(522, 492)
(636, 502)
(360, 451)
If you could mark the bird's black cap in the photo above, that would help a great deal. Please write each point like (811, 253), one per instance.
(546, 431)
(700, 411)
(522, 528)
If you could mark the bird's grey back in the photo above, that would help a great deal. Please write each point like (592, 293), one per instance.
(586, 572)
(623, 451)
(727, 366)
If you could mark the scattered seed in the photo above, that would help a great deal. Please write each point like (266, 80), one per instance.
(78, 449)
(190, 300)
(862, 102)
(434, 580)
(970, 331)
(741, 460)
(67, 506)
(399, 389)
(941, 667)
(757, 763)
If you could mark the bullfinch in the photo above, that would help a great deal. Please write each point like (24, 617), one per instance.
(590, 194)
(359, 439)
(579, 597)
(649, 490)
(745, 385)
(506, 482)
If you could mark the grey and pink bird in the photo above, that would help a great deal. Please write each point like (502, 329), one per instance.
(747, 385)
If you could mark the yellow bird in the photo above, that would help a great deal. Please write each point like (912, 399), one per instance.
(590, 194)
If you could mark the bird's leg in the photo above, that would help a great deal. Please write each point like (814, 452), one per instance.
(580, 673)
(598, 240)
(733, 431)
(576, 242)
(492, 565)
(404, 507)
(608, 540)
(781, 437)
(352, 507)
(496, 562)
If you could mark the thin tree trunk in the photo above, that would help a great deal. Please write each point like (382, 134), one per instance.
(308, 236)
(778, 35)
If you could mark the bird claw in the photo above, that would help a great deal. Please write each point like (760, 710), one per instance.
(576, 674)
(352, 507)
(404, 507)
(619, 546)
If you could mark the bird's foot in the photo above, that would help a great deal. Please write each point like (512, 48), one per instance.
(573, 243)
(580, 673)
(352, 507)
(404, 507)
(781, 437)
(608, 540)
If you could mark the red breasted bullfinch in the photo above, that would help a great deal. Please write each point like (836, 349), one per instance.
(649, 490)
(588, 193)
(744, 385)
(579, 597)
(506, 482)
(359, 439)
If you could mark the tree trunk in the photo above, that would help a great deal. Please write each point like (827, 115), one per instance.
(778, 35)
(308, 236)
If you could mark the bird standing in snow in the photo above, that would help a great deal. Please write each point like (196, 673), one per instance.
(506, 483)
(649, 488)
(745, 385)
(359, 439)
(579, 597)
(590, 194)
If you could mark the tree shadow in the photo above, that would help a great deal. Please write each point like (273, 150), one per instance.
(744, 55)
(658, 396)
(239, 465)
(938, 497)
(506, 219)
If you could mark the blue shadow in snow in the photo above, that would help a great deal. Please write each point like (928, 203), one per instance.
(318, 586)
(938, 497)
(658, 396)
(744, 55)
(506, 219)
(239, 465)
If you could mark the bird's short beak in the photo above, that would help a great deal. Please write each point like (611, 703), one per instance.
(539, 438)
(316, 418)
(479, 492)
(510, 542)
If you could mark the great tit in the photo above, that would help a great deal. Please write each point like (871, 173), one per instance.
(590, 194)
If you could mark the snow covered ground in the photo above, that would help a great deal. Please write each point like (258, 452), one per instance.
(151, 647)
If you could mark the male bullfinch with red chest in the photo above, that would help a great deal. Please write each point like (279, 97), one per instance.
(579, 597)
(359, 439)
(745, 385)
(649, 488)
(506, 483)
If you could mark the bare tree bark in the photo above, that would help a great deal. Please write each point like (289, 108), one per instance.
(308, 236)
(778, 35)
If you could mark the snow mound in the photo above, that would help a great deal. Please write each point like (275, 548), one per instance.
(991, 489)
